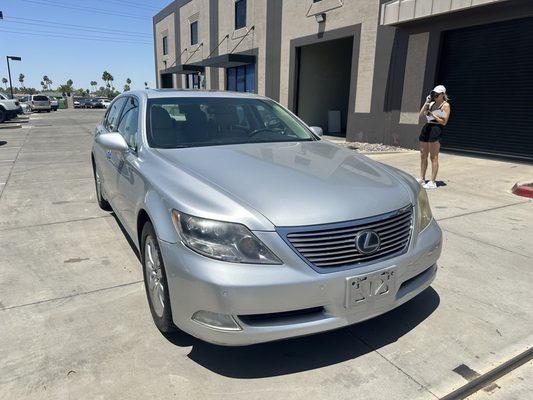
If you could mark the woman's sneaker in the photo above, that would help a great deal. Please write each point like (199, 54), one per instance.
(430, 185)
(421, 181)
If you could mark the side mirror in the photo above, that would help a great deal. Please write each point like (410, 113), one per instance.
(112, 141)
(317, 130)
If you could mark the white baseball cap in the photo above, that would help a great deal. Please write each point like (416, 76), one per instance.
(439, 89)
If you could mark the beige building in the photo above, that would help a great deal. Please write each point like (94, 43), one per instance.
(362, 68)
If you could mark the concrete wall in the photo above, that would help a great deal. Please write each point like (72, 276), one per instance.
(194, 10)
(165, 27)
(244, 40)
(299, 21)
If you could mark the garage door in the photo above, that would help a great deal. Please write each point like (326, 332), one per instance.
(488, 72)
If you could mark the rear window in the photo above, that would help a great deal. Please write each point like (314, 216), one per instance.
(40, 98)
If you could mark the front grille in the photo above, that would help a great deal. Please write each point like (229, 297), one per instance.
(334, 245)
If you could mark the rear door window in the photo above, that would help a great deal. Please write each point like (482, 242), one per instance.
(111, 120)
(40, 98)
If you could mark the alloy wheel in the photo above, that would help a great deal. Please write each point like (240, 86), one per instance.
(154, 274)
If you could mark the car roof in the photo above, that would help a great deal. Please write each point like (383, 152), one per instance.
(173, 93)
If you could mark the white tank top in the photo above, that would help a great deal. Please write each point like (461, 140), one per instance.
(438, 112)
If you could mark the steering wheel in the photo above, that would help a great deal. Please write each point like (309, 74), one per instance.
(256, 131)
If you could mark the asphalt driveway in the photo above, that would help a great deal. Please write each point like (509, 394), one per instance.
(74, 320)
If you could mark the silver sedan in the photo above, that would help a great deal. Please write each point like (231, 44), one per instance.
(250, 227)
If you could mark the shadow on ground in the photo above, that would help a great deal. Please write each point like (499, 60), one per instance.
(310, 352)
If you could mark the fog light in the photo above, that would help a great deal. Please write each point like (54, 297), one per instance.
(216, 321)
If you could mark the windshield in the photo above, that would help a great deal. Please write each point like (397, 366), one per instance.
(210, 121)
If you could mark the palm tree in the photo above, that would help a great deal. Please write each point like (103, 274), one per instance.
(49, 83)
(146, 85)
(46, 80)
(4, 81)
(70, 83)
(43, 85)
(93, 85)
(126, 87)
(107, 77)
(111, 79)
(21, 80)
(128, 81)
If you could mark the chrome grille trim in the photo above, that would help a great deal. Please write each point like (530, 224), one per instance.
(332, 247)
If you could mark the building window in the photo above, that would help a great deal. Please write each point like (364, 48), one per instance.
(240, 14)
(165, 45)
(194, 32)
(241, 79)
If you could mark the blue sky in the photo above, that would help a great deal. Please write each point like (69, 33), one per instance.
(47, 34)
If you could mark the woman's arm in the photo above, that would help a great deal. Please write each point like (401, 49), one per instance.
(425, 107)
(443, 120)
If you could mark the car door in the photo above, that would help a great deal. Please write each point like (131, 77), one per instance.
(129, 180)
(106, 160)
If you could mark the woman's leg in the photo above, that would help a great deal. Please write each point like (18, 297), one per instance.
(424, 152)
(434, 148)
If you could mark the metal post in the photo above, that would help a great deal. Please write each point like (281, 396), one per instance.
(9, 73)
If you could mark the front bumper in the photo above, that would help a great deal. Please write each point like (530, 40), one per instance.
(13, 113)
(272, 302)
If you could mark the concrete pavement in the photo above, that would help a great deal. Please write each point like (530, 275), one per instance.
(75, 322)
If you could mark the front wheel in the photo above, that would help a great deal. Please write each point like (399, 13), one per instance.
(102, 202)
(155, 280)
(3, 115)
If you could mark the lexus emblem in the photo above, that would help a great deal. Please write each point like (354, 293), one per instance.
(367, 242)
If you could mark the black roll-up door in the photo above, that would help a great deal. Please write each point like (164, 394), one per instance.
(488, 73)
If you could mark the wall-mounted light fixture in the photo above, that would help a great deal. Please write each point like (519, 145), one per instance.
(320, 17)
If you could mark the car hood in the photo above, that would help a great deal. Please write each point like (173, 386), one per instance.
(297, 183)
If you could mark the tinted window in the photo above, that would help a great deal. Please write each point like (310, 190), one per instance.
(241, 79)
(113, 114)
(129, 121)
(165, 45)
(40, 98)
(208, 121)
(194, 32)
(240, 14)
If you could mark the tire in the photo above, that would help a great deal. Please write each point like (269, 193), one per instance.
(3, 115)
(155, 280)
(102, 202)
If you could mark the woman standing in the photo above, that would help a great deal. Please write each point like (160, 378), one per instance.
(436, 109)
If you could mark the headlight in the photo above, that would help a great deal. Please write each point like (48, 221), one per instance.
(424, 215)
(224, 241)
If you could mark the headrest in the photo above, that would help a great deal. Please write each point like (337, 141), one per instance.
(160, 118)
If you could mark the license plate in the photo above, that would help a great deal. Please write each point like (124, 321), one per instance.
(364, 289)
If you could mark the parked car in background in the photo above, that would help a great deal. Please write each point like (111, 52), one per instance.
(54, 103)
(9, 108)
(250, 227)
(94, 103)
(77, 102)
(40, 102)
(25, 103)
(106, 102)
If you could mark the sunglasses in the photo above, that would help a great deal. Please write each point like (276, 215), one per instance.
(435, 94)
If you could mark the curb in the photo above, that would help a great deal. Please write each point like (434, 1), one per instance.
(524, 189)
(10, 126)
